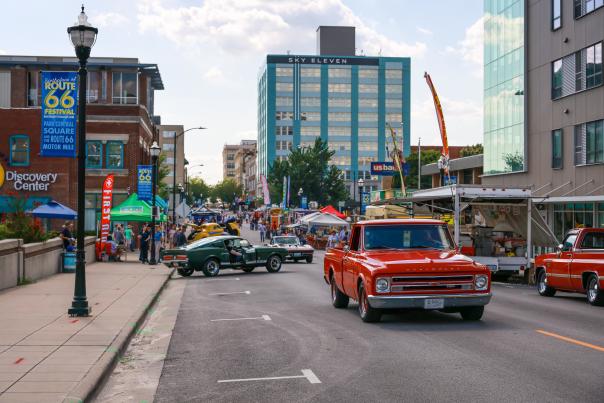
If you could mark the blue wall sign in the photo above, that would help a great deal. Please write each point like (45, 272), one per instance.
(365, 200)
(59, 114)
(145, 183)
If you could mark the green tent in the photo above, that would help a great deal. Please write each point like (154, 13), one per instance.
(133, 209)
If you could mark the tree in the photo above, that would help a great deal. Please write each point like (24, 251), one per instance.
(163, 170)
(309, 170)
(226, 190)
(198, 189)
(471, 150)
(428, 157)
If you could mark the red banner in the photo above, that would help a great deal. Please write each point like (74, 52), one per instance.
(106, 208)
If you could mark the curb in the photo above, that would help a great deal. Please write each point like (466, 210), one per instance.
(87, 388)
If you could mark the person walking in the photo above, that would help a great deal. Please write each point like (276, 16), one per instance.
(145, 237)
(262, 230)
(159, 237)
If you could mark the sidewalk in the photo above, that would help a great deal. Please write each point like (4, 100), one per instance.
(47, 356)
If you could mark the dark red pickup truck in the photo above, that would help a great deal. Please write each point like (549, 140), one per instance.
(397, 264)
(577, 266)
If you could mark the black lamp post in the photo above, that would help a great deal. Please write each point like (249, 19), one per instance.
(360, 182)
(83, 36)
(174, 171)
(300, 193)
(155, 150)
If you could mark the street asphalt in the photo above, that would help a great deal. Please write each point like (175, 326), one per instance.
(527, 348)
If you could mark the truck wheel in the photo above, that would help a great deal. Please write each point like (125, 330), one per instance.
(185, 272)
(273, 264)
(338, 298)
(542, 287)
(309, 259)
(296, 260)
(248, 269)
(595, 295)
(211, 268)
(472, 313)
(367, 313)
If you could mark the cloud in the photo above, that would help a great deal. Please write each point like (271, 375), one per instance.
(2, 52)
(424, 31)
(108, 19)
(213, 73)
(470, 48)
(263, 26)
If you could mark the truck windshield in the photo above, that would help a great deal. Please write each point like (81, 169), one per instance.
(420, 236)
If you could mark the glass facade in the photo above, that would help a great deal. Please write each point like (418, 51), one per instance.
(504, 133)
(346, 104)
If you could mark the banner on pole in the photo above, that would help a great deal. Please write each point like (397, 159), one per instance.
(265, 193)
(284, 199)
(106, 198)
(304, 202)
(59, 116)
(145, 182)
(365, 200)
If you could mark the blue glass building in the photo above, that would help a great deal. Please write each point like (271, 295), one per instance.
(345, 100)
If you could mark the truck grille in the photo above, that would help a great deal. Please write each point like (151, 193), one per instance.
(432, 283)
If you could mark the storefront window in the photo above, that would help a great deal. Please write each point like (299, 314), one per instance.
(94, 154)
(572, 215)
(19, 150)
(115, 154)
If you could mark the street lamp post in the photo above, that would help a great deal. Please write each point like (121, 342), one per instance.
(174, 171)
(360, 182)
(155, 150)
(300, 193)
(83, 36)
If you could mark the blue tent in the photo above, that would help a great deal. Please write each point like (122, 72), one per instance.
(53, 209)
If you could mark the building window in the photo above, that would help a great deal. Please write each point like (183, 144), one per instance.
(285, 101)
(338, 131)
(394, 89)
(33, 86)
(114, 154)
(556, 14)
(310, 72)
(368, 117)
(339, 72)
(394, 74)
(167, 147)
(557, 79)
(284, 71)
(279, 115)
(339, 116)
(593, 70)
(310, 87)
(583, 7)
(230, 157)
(19, 150)
(310, 131)
(368, 146)
(284, 130)
(94, 154)
(394, 103)
(368, 88)
(339, 102)
(594, 142)
(125, 87)
(339, 87)
(310, 116)
(394, 117)
(557, 149)
(285, 87)
(368, 73)
(368, 131)
(168, 134)
(368, 103)
(339, 145)
(311, 101)
(94, 85)
(230, 165)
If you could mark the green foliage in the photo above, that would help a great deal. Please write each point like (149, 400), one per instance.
(226, 190)
(198, 188)
(25, 281)
(428, 157)
(19, 225)
(513, 162)
(309, 170)
(471, 150)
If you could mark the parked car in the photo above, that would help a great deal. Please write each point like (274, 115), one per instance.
(210, 255)
(405, 264)
(295, 250)
(577, 266)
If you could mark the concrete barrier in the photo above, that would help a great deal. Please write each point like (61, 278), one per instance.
(34, 261)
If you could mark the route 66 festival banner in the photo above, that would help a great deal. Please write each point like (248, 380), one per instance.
(59, 114)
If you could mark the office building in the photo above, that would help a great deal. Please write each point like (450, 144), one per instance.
(344, 99)
(120, 128)
(239, 163)
(544, 106)
(169, 135)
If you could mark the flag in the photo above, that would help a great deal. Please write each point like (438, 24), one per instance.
(106, 199)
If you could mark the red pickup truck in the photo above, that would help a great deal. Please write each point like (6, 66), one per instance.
(577, 266)
(398, 264)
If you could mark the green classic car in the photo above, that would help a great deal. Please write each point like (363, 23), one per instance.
(209, 255)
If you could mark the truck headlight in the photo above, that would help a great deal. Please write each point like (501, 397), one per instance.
(382, 285)
(481, 282)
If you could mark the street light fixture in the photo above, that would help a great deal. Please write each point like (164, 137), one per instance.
(82, 36)
(174, 170)
(155, 150)
(360, 182)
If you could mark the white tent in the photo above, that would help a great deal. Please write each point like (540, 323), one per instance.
(305, 219)
(327, 220)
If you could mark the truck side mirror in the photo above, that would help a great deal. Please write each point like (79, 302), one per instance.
(346, 248)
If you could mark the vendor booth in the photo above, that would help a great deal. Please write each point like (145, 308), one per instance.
(320, 226)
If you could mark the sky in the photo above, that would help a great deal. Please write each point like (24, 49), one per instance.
(209, 53)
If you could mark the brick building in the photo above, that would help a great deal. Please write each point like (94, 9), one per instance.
(120, 129)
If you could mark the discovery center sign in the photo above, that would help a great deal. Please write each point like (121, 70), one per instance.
(29, 182)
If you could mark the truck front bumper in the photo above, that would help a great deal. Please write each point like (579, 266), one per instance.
(419, 301)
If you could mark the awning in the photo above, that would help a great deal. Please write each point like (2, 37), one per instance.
(325, 220)
(53, 209)
(331, 210)
(569, 199)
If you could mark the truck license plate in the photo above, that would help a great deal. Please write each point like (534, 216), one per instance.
(297, 254)
(433, 303)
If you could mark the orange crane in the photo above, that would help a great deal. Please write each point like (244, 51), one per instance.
(443, 163)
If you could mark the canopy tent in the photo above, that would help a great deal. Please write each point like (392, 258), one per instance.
(133, 209)
(327, 220)
(304, 220)
(331, 210)
(160, 202)
(183, 210)
(54, 209)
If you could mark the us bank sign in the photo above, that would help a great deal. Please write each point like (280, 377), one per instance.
(28, 182)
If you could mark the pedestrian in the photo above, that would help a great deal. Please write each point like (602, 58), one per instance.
(262, 230)
(180, 237)
(118, 236)
(67, 236)
(145, 237)
(171, 235)
(159, 236)
(128, 237)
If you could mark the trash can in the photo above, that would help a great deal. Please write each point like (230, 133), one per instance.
(69, 262)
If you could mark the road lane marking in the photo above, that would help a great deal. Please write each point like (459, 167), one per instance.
(231, 293)
(223, 279)
(573, 341)
(263, 317)
(306, 373)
